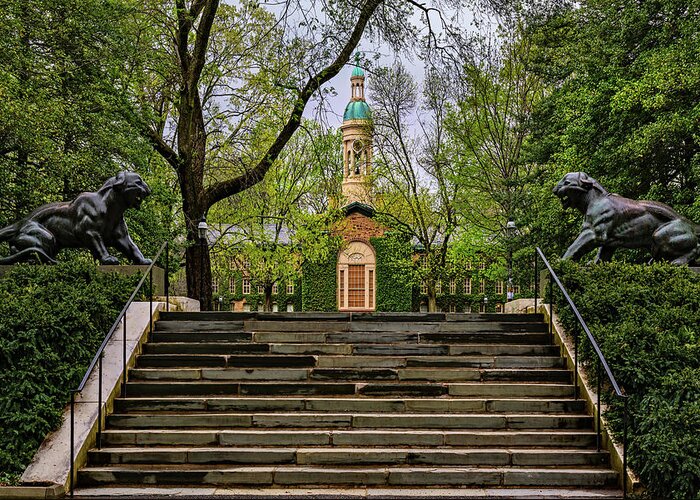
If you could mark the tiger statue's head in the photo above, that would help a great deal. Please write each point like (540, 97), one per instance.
(577, 190)
(130, 188)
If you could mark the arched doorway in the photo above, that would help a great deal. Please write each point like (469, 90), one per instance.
(356, 277)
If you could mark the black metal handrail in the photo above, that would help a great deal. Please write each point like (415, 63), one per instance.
(97, 360)
(600, 362)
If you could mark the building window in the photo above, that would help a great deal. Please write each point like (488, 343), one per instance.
(423, 288)
(453, 287)
(498, 288)
(290, 288)
(290, 307)
(261, 289)
(438, 287)
(499, 308)
(482, 308)
(467, 286)
(246, 264)
(232, 284)
(468, 265)
(516, 289)
(371, 289)
(275, 290)
(215, 285)
(342, 288)
(232, 263)
(468, 309)
(246, 288)
(482, 286)
(482, 265)
(453, 308)
(275, 307)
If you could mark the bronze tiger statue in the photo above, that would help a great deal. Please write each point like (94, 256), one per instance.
(611, 221)
(93, 220)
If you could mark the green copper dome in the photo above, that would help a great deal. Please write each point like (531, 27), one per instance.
(358, 71)
(356, 110)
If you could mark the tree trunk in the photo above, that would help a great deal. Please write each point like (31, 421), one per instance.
(432, 300)
(198, 271)
(267, 305)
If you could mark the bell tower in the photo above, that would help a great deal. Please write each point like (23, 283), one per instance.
(357, 143)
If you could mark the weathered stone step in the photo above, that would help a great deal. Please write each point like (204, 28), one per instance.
(308, 475)
(340, 404)
(546, 438)
(475, 389)
(429, 389)
(482, 337)
(428, 373)
(231, 361)
(346, 317)
(452, 349)
(299, 420)
(204, 348)
(350, 456)
(377, 358)
(214, 336)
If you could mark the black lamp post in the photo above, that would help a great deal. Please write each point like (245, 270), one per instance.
(511, 228)
(486, 304)
(202, 229)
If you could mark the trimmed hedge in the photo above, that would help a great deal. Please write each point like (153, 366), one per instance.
(394, 269)
(319, 285)
(647, 322)
(52, 320)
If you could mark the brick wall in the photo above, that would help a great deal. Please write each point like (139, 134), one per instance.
(359, 227)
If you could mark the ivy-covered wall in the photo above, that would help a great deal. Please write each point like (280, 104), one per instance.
(319, 285)
(394, 268)
(223, 277)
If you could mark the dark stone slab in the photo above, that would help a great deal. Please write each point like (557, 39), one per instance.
(180, 388)
(485, 338)
(286, 361)
(419, 389)
(203, 348)
(353, 374)
(178, 360)
(201, 337)
(400, 350)
(305, 388)
(199, 326)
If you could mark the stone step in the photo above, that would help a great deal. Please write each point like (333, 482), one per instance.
(428, 373)
(375, 359)
(291, 475)
(370, 438)
(350, 492)
(542, 387)
(484, 337)
(350, 456)
(477, 389)
(339, 404)
(231, 361)
(324, 420)
(346, 317)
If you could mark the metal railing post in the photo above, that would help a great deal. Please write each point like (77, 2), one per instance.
(624, 452)
(167, 276)
(536, 282)
(599, 389)
(99, 404)
(72, 439)
(124, 359)
(150, 302)
(551, 309)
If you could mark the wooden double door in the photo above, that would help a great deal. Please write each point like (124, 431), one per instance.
(356, 278)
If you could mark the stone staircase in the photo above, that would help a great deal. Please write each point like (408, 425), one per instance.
(412, 402)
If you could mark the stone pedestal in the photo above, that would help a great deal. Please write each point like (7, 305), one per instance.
(158, 274)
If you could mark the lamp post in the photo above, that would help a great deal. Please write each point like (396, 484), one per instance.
(486, 304)
(511, 228)
(202, 228)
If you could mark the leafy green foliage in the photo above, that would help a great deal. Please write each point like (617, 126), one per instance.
(395, 272)
(319, 285)
(52, 320)
(645, 319)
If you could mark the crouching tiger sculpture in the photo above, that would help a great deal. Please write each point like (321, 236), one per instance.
(611, 222)
(93, 220)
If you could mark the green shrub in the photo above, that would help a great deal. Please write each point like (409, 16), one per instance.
(319, 285)
(52, 320)
(395, 271)
(647, 322)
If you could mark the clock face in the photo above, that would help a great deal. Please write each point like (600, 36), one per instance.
(358, 145)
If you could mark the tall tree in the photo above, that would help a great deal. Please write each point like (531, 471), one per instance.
(417, 189)
(213, 48)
